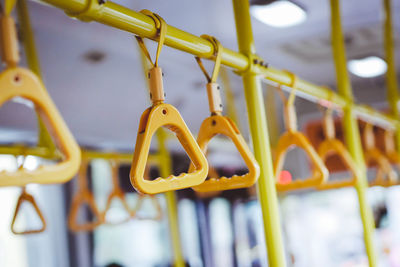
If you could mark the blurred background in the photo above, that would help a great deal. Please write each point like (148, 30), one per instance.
(95, 76)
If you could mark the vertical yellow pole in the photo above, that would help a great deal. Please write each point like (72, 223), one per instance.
(391, 76)
(44, 138)
(351, 131)
(165, 165)
(259, 135)
(165, 170)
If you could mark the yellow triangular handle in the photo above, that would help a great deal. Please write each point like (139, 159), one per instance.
(319, 173)
(20, 82)
(116, 193)
(165, 115)
(159, 214)
(212, 172)
(331, 147)
(26, 197)
(218, 124)
(84, 195)
(385, 175)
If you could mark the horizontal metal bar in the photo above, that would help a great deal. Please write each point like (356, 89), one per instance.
(117, 156)
(122, 18)
(23, 150)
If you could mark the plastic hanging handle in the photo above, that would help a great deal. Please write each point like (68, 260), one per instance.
(385, 176)
(293, 138)
(212, 172)
(163, 115)
(84, 195)
(116, 193)
(333, 146)
(26, 197)
(20, 82)
(218, 124)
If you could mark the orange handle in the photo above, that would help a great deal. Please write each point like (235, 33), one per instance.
(319, 173)
(332, 146)
(293, 138)
(116, 193)
(385, 176)
(218, 124)
(167, 116)
(28, 198)
(84, 195)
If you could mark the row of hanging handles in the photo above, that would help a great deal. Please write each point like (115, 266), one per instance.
(85, 196)
(16, 81)
(331, 145)
(162, 114)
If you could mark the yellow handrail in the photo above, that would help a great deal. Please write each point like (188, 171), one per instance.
(163, 160)
(249, 65)
(117, 16)
(44, 138)
(259, 137)
(351, 132)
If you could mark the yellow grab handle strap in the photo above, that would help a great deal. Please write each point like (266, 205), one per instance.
(25, 196)
(385, 175)
(369, 136)
(329, 124)
(211, 127)
(213, 88)
(333, 146)
(218, 56)
(290, 113)
(83, 195)
(165, 115)
(319, 172)
(9, 41)
(389, 142)
(161, 27)
(294, 138)
(155, 74)
(19, 82)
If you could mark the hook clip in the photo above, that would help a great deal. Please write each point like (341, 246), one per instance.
(213, 88)
(155, 73)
